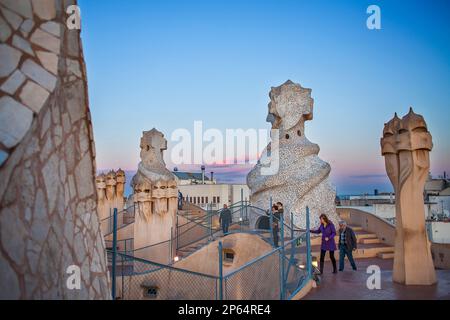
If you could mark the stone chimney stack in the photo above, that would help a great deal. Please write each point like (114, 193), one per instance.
(203, 174)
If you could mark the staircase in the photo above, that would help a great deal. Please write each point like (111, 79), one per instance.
(369, 246)
(188, 250)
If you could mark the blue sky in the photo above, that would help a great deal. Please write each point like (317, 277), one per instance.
(165, 64)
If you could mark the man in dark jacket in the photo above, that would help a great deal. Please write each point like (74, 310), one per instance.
(347, 243)
(277, 213)
(180, 200)
(225, 218)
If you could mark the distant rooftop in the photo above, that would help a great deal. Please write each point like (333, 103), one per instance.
(190, 175)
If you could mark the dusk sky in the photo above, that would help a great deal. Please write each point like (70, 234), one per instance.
(166, 64)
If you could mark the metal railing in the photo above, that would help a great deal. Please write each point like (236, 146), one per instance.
(143, 279)
(196, 233)
(125, 246)
(278, 274)
(196, 230)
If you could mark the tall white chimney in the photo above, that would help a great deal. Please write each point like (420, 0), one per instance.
(203, 174)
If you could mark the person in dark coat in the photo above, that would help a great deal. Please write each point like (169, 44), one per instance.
(328, 232)
(277, 220)
(225, 218)
(180, 200)
(347, 243)
(280, 210)
(275, 224)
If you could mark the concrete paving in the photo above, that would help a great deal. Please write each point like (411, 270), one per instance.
(351, 285)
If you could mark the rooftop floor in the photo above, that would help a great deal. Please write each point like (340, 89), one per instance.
(351, 285)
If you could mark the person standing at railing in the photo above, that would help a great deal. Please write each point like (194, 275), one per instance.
(275, 225)
(347, 243)
(225, 218)
(328, 232)
(180, 200)
(277, 211)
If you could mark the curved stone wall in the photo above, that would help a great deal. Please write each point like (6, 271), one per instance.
(48, 219)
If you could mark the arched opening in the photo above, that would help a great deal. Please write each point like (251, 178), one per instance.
(263, 223)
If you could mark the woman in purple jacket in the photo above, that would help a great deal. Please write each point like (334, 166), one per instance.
(328, 232)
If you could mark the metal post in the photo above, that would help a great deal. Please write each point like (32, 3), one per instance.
(110, 221)
(210, 220)
(170, 244)
(308, 245)
(220, 271)
(122, 276)
(246, 210)
(281, 252)
(176, 234)
(241, 213)
(271, 223)
(292, 254)
(113, 287)
(292, 226)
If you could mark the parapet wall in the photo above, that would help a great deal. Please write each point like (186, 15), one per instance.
(386, 232)
(48, 200)
(370, 222)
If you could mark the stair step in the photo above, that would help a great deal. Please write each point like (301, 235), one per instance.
(356, 228)
(360, 235)
(364, 235)
(363, 251)
(385, 255)
(370, 240)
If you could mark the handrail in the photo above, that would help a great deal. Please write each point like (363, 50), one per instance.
(235, 208)
(267, 214)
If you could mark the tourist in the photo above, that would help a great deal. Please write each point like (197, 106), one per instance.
(328, 232)
(180, 200)
(277, 216)
(347, 243)
(280, 209)
(225, 218)
(275, 225)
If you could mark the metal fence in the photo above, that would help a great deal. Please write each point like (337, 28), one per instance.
(139, 279)
(243, 215)
(207, 226)
(125, 246)
(194, 232)
(279, 274)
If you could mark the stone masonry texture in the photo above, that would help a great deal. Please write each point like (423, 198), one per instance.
(48, 199)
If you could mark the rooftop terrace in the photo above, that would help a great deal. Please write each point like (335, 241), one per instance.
(351, 285)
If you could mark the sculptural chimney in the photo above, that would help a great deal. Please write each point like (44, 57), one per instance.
(155, 196)
(405, 145)
(289, 169)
